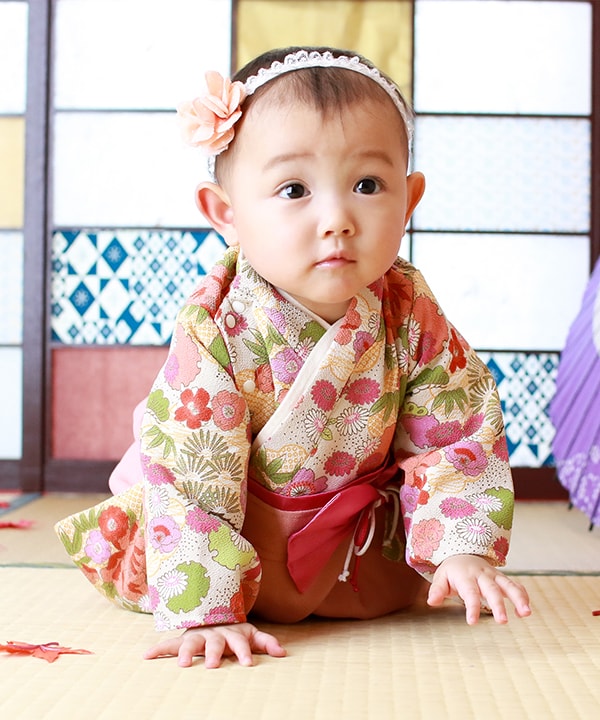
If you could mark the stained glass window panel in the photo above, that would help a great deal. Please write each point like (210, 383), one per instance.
(12, 171)
(124, 170)
(379, 29)
(506, 292)
(137, 54)
(125, 286)
(13, 56)
(503, 57)
(516, 174)
(11, 383)
(11, 288)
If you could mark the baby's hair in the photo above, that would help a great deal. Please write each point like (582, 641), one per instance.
(327, 89)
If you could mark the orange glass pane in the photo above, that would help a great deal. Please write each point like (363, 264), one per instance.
(12, 171)
(379, 29)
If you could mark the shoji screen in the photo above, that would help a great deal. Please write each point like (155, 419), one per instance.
(504, 235)
(13, 93)
(127, 242)
(503, 96)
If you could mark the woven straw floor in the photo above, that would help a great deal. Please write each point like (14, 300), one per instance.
(419, 664)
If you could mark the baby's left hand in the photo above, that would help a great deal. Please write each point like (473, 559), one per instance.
(473, 578)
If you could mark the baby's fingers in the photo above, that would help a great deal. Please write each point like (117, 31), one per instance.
(263, 642)
(439, 590)
(214, 649)
(163, 649)
(516, 593)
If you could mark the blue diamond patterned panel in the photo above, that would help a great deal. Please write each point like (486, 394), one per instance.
(125, 286)
(526, 384)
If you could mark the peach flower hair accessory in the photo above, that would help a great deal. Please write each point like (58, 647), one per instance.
(207, 121)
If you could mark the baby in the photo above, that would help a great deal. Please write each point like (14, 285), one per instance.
(320, 439)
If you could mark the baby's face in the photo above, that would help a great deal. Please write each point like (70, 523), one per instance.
(319, 204)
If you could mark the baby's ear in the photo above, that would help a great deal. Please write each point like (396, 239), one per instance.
(415, 187)
(215, 205)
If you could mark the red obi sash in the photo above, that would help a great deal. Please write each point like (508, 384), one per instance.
(332, 517)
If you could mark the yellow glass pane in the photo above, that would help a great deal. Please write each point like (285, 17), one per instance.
(378, 29)
(12, 171)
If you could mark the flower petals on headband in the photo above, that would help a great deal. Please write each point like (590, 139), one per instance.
(207, 121)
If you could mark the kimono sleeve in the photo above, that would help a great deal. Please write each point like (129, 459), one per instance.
(457, 496)
(195, 447)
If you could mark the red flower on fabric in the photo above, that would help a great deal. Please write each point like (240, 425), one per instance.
(501, 549)
(126, 569)
(114, 524)
(444, 434)
(340, 464)
(324, 395)
(363, 391)
(500, 449)
(426, 537)
(459, 359)
(264, 378)
(194, 410)
(232, 613)
(472, 425)
(228, 410)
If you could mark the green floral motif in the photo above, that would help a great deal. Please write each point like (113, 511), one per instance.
(227, 551)
(221, 501)
(451, 398)
(389, 402)
(429, 376)
(159, 405)
(197, 587)
(504, 516)
(271, 470)
(218, 350)
(158, 438)
(257, 348)
(312, 331)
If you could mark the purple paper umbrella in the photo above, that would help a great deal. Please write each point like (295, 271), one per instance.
(575, 408)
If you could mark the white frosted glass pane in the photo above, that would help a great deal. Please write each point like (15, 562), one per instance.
(11, 288)
(137, 53)
(503, 57)
(518, 174)
(13, 56)
(124, 169)
(506, 292)
(11, 391)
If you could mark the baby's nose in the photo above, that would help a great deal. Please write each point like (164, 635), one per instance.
(336, 221)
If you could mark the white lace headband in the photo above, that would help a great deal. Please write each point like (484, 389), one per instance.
(207, 121)
(313, 58)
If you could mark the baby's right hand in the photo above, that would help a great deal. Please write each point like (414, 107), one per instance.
(216, 642)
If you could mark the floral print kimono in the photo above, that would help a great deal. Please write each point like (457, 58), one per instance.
(259, 398)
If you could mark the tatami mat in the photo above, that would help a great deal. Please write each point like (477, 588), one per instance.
(420, 664)
(546, 536)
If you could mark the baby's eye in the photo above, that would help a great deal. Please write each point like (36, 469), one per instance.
(367, 186)
(293, 191)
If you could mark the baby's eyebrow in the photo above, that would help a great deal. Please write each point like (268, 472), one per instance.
(285, 158)
(375, 155)
(366, 154)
